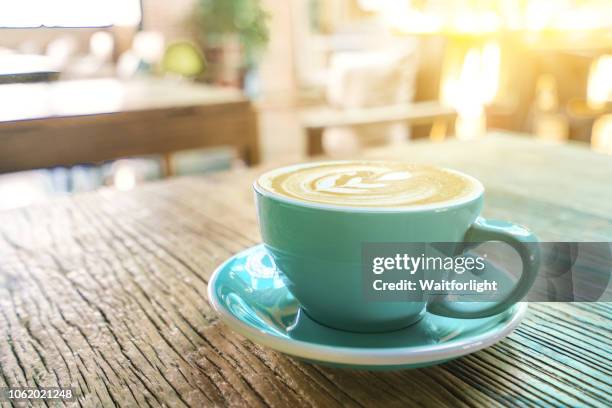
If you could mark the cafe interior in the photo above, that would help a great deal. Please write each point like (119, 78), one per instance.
(99, 94)
(132, 268)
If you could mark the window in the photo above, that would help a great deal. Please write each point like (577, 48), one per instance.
(68, 13)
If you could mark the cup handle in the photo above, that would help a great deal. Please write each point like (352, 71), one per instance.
(519, 238)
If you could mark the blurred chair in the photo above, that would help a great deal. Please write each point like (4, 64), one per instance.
(368, 102)
(315, 121)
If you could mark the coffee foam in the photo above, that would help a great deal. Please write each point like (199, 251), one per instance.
(377, 184)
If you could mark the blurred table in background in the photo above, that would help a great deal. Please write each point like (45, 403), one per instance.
(22, 68)
(106, 292)
(88, 121)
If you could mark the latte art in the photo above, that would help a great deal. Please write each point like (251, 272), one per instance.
(369, 184)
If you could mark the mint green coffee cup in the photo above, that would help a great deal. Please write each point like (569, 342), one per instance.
(318, 250)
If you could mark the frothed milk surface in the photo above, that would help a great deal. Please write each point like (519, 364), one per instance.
(369, 184)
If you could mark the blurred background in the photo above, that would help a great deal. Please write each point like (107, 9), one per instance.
(119, 92)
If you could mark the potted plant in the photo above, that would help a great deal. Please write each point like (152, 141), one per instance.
(232, 34)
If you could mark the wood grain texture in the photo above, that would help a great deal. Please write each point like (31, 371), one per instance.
(106, 292)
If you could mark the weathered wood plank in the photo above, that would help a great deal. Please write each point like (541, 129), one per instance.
(106, 292)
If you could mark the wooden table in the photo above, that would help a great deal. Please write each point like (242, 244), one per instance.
(106, 292)
(87, 121)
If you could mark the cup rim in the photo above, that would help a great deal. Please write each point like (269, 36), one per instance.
(442, 206)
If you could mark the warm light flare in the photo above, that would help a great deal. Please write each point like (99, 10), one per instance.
(601, 138)
(486, 17)
(473, 86)
(599, 88)
(490, 66)
(468, 99)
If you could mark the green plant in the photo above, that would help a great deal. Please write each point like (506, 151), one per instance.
(245, 18)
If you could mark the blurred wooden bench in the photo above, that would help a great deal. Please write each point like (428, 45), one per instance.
(75, 122)
(315, 121)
